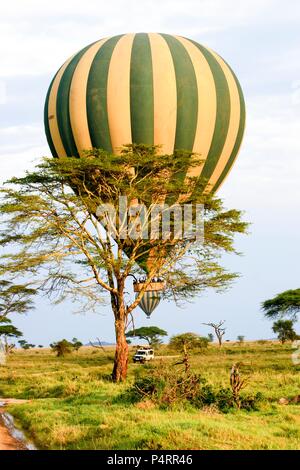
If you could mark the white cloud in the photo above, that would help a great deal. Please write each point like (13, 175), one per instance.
(16, 163)
(36, 37)
(16, 138)
(267, 172)
(296, 93)
(21, 147)
(3, 92)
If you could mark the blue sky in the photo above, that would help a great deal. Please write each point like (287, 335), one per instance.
(261, 41)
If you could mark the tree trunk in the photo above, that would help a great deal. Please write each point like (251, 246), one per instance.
(121, 355)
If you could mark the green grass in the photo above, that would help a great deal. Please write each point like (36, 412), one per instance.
(75, 406)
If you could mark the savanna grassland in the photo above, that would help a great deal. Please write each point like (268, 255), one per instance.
(74, 405)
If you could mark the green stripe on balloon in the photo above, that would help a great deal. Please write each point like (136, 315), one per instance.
(96, 97)
(222, 116)
(141, 91)
(63, 109)
(239, 137)
(46, 121)
(149, 302)
(187, 95)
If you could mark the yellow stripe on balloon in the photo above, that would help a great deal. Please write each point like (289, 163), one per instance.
(118, 94)
(77, 99)
(52, 115)
(164, 94)
(234, 123)
(207, 108)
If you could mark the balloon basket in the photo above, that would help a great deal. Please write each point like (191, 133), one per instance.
(152, 287)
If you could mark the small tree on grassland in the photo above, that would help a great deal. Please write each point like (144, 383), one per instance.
(210, 337)
(151, 334)
(285, 330)
(241, 338)
(286, 304)
(8, 331)
(62, 348)
(25, 345)
(65, 347)
(49, 219)
(76, 344)
(218, 329)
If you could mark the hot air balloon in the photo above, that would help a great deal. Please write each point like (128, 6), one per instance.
(150, 88)
(151, 297)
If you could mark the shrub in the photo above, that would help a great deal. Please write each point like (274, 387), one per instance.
(62, 347)
(166, 388)
(65, 347)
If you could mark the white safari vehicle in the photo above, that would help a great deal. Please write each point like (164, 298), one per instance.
(143, 354)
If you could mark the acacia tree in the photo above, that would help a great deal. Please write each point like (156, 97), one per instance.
(76, 344)
(8, 331)
(151, 334)
(25, 345)
(62, 347)
(285, 304)
(285, 330)
(219, 331)
(15, 298)
(50, 220)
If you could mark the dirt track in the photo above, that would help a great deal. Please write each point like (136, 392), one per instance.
(7, 441)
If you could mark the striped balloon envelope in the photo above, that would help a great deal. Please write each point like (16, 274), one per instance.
(149, 302)
(148, 88)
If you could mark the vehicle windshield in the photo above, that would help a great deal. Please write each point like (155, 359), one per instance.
(142, 352)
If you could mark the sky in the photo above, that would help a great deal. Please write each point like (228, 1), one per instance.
(260, 39)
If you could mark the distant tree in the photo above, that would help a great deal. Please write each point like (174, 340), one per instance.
(40, 346)
(185, 343)
(15, 298)
(219, 331)
(285, 304)
(151, 334)
(210, 337)
(76, 344)
(24, 345)
(62, 347)
(241, 338)
(285, 330)
(97, 345)
(7, 331)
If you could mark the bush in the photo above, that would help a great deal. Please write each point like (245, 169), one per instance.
(167, 388)
(189, 341)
